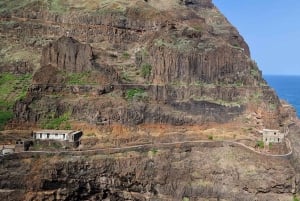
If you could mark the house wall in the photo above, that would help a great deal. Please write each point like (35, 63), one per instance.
(74, 137)
(272, 136)
(51, 136)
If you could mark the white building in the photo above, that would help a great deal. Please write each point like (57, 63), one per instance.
(272, 136)
(60, 135)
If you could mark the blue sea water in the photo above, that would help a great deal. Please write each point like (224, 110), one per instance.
(287, 88)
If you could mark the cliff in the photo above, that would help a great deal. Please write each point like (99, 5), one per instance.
(179, 55)
(206, 171)
(138, 72)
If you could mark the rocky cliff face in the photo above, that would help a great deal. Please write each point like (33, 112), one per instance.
(184, 54)
(206, 171)
(128, 72)
(67, 54)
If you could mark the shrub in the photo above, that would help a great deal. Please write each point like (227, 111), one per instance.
(270, 145)
(79, 78)
(210, 137)
(295, 198)
(146, 70)
(154, 151)
(5, 116)
(136, 94)
(260, 144)
(125, 55)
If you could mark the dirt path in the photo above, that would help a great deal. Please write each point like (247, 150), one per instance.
(161, 145)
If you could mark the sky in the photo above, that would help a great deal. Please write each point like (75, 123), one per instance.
(271, 28)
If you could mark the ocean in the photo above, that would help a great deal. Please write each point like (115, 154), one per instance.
(287, 88)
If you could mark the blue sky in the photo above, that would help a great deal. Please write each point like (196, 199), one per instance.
(272, 30)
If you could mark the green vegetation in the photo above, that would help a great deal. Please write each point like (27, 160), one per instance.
(125, 76)
(79, 78)
(210, 137)
(272, 106)
(154, 151)
(180, 44)
(136, 94)
(198, 28)
(12, 88)
(146, 70)
(260, 144)
(5, 116)
(295, 198)
(186, 199)
(6, 5)
(270, 145)
(60, 122)
(254, 71)
(57, 6)
(126, 55)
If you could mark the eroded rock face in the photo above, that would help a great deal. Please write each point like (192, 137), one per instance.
(176, 52)
(68, 54)
(212, 171)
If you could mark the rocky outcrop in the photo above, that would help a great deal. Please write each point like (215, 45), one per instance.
(68, 54)
(220, 64)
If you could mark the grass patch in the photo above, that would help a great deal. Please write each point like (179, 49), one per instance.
(57, 6)
(136, 94)
(154, 151)
(12, 88)
(79, 78)
(260, 144)
(146, 70)
(60, 122)
(126, 55)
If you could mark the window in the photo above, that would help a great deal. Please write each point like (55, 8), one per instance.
(278, 139)
(41, 135)
(64, 136)
(48, 135)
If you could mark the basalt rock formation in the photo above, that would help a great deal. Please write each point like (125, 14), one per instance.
(68, 54)
(137, 72)
(181, 58)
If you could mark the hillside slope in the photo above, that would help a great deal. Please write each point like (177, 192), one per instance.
(146, 72)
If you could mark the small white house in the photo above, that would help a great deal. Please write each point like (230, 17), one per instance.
(60, 135)
(272, 136)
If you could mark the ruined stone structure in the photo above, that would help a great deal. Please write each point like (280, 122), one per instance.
(272, 136)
